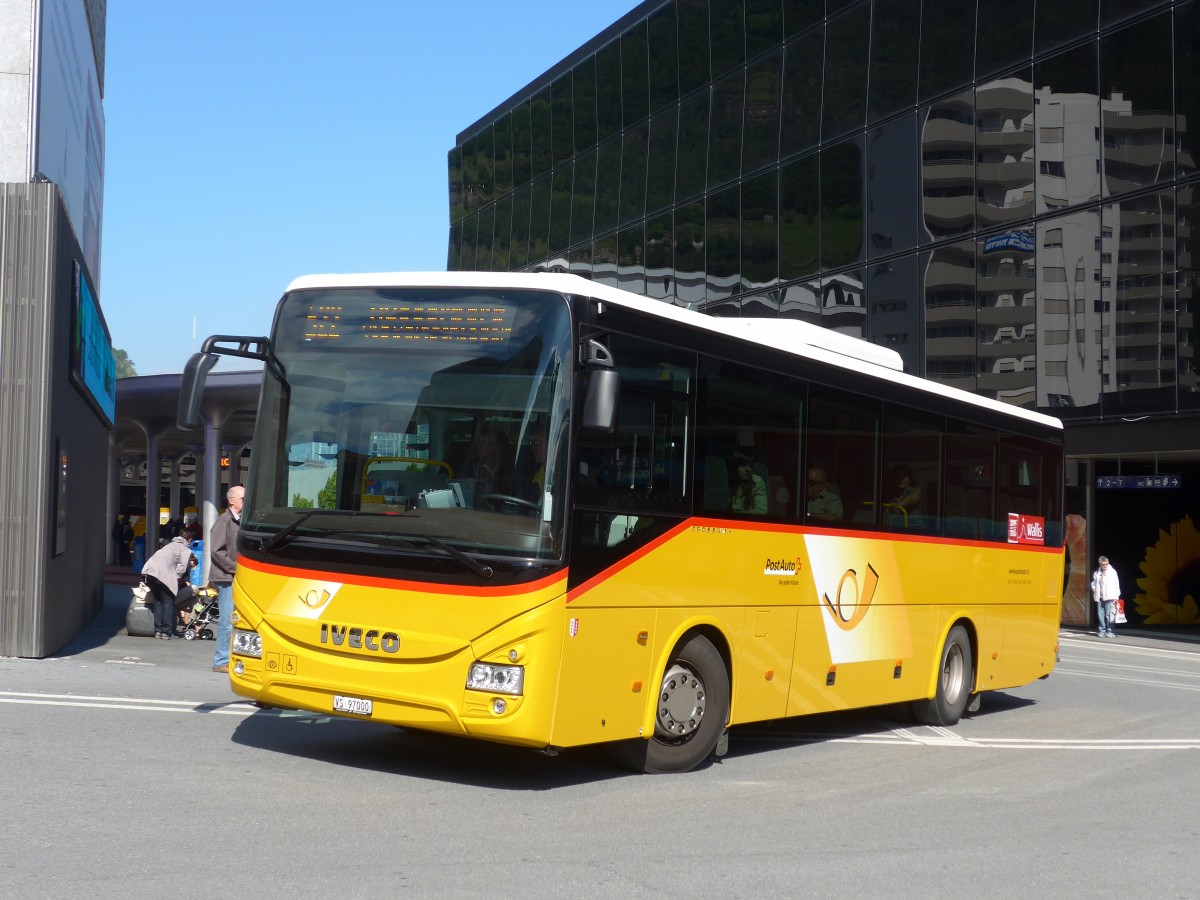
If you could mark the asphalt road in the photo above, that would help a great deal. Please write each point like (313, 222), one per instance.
(130, 770)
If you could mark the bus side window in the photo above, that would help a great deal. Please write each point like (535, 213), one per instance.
(842, 445)
(912, 446)
(642, 464)
(1028, 474)
(749, 414)
(970, 467)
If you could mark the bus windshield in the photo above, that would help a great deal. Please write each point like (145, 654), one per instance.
(416, 429)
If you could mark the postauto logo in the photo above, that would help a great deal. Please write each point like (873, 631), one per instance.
(782, 566)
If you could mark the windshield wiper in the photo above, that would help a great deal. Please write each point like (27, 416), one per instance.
(481, 569)
(286, 531)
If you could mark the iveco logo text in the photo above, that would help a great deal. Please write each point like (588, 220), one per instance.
(782, 567)
(360, 639)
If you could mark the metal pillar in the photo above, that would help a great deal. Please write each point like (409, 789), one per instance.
(213, 502)
(153, 489)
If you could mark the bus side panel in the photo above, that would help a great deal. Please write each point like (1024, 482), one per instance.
(762, 664)
(738, 582)
(1023, 648)
(1030, 631)
(605, 681)
(815, 621)
(824, 682)
(884, 607)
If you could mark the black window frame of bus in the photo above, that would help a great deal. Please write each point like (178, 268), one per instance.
(959, 420)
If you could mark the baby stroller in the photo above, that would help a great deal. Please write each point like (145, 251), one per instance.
(204, 613)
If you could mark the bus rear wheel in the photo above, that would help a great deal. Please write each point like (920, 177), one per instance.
(691, 710)
(955, 677)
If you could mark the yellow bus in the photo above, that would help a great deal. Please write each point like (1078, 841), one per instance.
(537, 510)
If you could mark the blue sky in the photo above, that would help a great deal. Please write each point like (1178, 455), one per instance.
(254, 141)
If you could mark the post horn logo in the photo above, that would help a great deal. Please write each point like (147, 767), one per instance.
(315, 599)
(848, 612)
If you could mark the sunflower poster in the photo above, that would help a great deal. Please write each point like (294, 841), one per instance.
(1152, 538)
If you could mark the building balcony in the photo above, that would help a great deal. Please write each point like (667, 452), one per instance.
(1013, 142)
(943, 133)
(1005, 175)
(992, 214)
(942, 275)
(948, 174)
(950, 348)
(1016, 317)
(949, 215)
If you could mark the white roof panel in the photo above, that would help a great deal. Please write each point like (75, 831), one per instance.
(789, 335)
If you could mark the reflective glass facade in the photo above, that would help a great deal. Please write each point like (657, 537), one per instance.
(1006, 194)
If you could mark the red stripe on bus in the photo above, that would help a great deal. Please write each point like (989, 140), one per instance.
(629, 560)
(898, 537)
(800, 531)
(400, 584)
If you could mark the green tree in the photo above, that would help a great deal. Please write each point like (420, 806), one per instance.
(125, 367)
(327, 496)
(299, 502)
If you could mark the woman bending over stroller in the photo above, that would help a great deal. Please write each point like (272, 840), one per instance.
(166, 573)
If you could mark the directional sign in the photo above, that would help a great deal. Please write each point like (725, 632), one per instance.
(1139, 482)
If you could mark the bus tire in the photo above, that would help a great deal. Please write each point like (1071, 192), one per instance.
(954, 681)
(690, 712)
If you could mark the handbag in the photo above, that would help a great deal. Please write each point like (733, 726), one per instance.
(1118, 608)
(141, 591)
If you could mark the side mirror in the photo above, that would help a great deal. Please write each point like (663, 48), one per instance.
(600, 400)
(191, 390)
(195, 373)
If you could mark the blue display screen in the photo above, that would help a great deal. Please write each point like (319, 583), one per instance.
(92, 364)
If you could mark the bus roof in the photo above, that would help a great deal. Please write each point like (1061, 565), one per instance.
(789, 335)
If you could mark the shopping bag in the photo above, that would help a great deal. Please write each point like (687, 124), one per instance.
(141, 592)
(1118, 608)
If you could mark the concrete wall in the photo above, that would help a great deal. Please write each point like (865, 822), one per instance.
(53, 530)
(16, 80)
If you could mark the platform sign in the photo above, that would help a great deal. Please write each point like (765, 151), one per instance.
(1139, 482)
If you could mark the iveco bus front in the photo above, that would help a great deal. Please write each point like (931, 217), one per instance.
(402, 543)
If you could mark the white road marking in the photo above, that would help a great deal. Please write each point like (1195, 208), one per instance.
(942, 737)
(208, 707)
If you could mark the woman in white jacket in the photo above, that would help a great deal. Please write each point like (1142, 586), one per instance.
(164, 571)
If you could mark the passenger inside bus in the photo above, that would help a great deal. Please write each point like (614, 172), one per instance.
(905, 493)
(533, 481)
(824, 503)
(749, 494)
(488, 464)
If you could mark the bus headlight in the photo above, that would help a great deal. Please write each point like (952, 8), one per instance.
(496, 679)
(247, 643)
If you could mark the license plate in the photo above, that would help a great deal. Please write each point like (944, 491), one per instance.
(355, 705)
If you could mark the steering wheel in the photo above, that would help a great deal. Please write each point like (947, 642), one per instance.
(498, 502)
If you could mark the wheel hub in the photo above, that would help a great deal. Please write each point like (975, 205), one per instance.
(953, 675)
(681, 703)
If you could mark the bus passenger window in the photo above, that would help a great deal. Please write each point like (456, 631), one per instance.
(750, 439)
(912, 452)
(970, 464)
(749, 493)
(843, 431)
(824, 504)
(642, 465)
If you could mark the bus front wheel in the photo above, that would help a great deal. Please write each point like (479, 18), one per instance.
(691, 710)
(955, 677)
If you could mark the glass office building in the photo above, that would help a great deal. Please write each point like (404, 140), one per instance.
(1004, 193)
